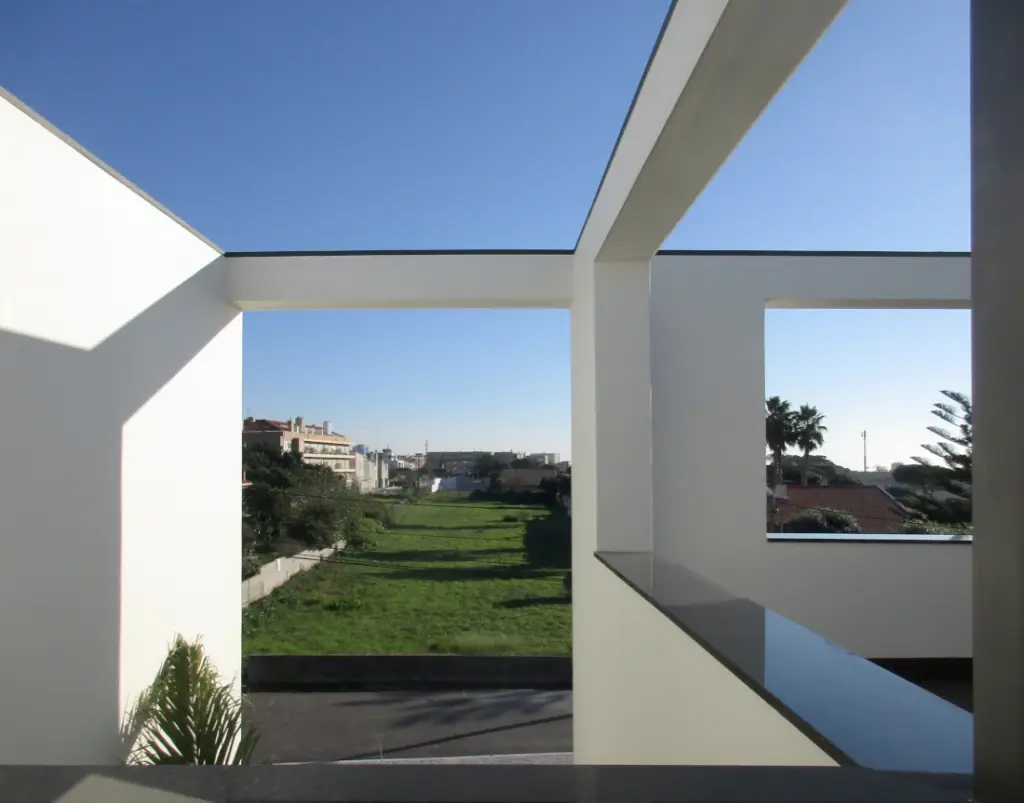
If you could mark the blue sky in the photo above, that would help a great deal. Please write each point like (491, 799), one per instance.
(328, 124)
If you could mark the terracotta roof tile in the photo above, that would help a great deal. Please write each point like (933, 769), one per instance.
(874, 509)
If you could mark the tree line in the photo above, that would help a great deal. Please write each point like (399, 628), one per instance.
(785, 427)
(290, 506)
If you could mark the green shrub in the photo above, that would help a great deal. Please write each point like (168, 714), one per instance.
(189, 715)
(251, 564)
(925, 527)
(361, 538)
(547, 541)
(823, 520)
(380, 512)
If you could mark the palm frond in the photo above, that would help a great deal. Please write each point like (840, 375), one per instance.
(190, 716)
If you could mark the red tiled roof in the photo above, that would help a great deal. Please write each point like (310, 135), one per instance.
(874, 509)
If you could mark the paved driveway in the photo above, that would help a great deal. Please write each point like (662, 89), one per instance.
(354, 725)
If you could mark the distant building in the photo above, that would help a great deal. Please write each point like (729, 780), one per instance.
(317, 444)
(526, 479)
(460, 483)
(372, 471)
(465, 462)
(544, 458)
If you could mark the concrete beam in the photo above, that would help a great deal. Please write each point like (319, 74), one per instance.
(830, 280)
(717, 65)
(283, 281)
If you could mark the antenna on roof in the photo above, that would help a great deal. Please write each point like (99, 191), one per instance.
(864, 437)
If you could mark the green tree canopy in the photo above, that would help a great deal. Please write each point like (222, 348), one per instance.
(808, 435)
(945, 494)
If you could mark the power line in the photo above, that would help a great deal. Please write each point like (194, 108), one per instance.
(508, 506)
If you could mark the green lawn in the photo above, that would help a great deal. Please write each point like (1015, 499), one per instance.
(448, 578)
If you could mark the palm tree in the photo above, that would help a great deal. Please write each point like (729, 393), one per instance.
(809, 435)
(779, 432)
(188, 716)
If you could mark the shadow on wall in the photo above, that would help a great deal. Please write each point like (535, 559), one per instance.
(62, 515)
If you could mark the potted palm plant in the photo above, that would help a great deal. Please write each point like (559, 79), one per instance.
(188, 715)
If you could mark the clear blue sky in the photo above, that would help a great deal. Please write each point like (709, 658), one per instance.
(329, 124)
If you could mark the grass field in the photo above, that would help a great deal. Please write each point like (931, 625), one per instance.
(447, 578)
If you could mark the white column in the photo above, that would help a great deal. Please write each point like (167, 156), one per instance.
(611, 466)
(707, 378)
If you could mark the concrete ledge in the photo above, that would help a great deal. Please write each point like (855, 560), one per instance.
(468, 784)
(265, 673)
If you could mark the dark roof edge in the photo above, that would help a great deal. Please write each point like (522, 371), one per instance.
(786, 253)
(413, 253)
(569, 252)
(625, 121)
(38, 118)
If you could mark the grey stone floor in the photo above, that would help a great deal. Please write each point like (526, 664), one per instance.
(303, 727)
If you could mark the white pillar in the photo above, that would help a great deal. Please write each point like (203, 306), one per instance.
(707, 379)
(611, 455)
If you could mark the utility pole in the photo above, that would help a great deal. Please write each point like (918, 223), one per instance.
(864, 437)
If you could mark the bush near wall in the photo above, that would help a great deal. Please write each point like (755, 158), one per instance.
(925, 527)
(823, 520)
(547, 540)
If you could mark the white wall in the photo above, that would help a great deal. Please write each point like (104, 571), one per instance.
(114, 343)
(707, 357)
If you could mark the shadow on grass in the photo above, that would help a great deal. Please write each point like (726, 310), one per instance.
(447, 574)
(440, 555)
(529, 602)
(547, 541)
(479, 528)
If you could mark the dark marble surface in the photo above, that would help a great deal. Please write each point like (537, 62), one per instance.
(858, 712)
(321, 783)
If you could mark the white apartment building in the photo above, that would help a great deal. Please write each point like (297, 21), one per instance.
(317, 444)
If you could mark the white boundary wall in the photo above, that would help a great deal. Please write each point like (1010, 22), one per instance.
(278, 572)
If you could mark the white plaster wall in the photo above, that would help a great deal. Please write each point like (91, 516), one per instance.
(654, 696)
(114, 344)
(707, 356)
